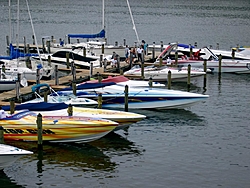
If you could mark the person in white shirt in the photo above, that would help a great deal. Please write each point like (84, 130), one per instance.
(113, 62)
(3, 114)
(139, 53)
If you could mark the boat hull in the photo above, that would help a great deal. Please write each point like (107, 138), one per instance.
(57, 128)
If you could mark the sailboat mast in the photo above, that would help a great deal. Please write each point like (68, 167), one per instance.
(103, 11)
(10, 21)
(133, 22)
(18, 17)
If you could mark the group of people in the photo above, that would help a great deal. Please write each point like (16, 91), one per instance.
(136, 53)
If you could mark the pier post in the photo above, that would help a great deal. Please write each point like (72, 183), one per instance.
(150, 82)
(191, 50)
(101, 59)
(91, 70)
(161, 46)
(12, 106)
(126, 98)
(118, 63)
(48, 46)
(49, 60)
(37, 76)
(74, 87)
(160, 61)
(105, 65)
(217, 46)
(124, 42)
(84, 51)
(188, 78)
(67, 60)
(18, 86)
(43, 45)
(56, 75)
(220, 59)
(99, 100)
(205, 75)
(233, 54)
(33, 40)
(99, 77)
(8, 44)
(1, 135)
(116, 43)
(102, 48)
(45, 96)
(153, 51)
(169, 79)
(39, 131)
(24, 44)
(142, 71)
(176, 59)
(27, 48)
(70, 110)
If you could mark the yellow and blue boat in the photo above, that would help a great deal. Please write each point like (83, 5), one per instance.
(55, 128)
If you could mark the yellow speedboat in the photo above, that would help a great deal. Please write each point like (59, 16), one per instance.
(56, 128)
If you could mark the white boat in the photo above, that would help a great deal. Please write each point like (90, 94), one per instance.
(113, 96)
(227, 65)
(9, 154)
(157, 73)
(8, 82)
(54, 97)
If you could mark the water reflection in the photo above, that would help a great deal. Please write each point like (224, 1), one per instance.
(8, 182)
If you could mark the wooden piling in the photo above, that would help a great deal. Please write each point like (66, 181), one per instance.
(74, 87)
(153, 51)
(191, 50)
(102, 48)
(84, 52)
(150, 82)
(124, 42)
(188, 78)
(56, 75)
(37, 76)
(45, 96)
(169, 79)
(39, 131)
(91, 70)
(18, 86)
(49, 60)
(99, 77)
(70, 110)
(1, 135)
(220, 59)
(24, 44)
(160, 61)
(67, 60)
(12, 106)
(99, 100)
(142, 71)
(101, 60)
(48, 47)
(205, 75)
(126, 98)
(176, 59)
(161, 46)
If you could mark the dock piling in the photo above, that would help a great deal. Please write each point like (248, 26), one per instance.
(1, 135)
(70, 110)
(169, 79)
(126, 98)
(99, 100)
(188, 78)
(39, 131)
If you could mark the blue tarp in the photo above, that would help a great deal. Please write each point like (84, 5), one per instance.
(86, 36)
(15, 53)
(89, 86)
(185, 46)
(41, 106)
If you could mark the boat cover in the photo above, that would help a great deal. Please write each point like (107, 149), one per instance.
(15, 53)
(89, 86)
(87, 36)
(41, 106)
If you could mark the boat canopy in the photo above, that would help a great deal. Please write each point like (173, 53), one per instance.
(89, 86)
(38, 86)
(15, 53)
(41, 106)
(88, 36)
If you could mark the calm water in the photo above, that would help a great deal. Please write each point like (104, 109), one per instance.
(207, 145)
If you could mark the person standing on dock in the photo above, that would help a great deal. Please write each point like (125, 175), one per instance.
(127, 54)
(139, 53)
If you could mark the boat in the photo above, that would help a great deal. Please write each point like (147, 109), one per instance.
(61, 109)
(54, 97)
(8, 82)
(160, 74)
(55, 128)
(227, 65)
(9, 154)
(113, 96)
(122, 80)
